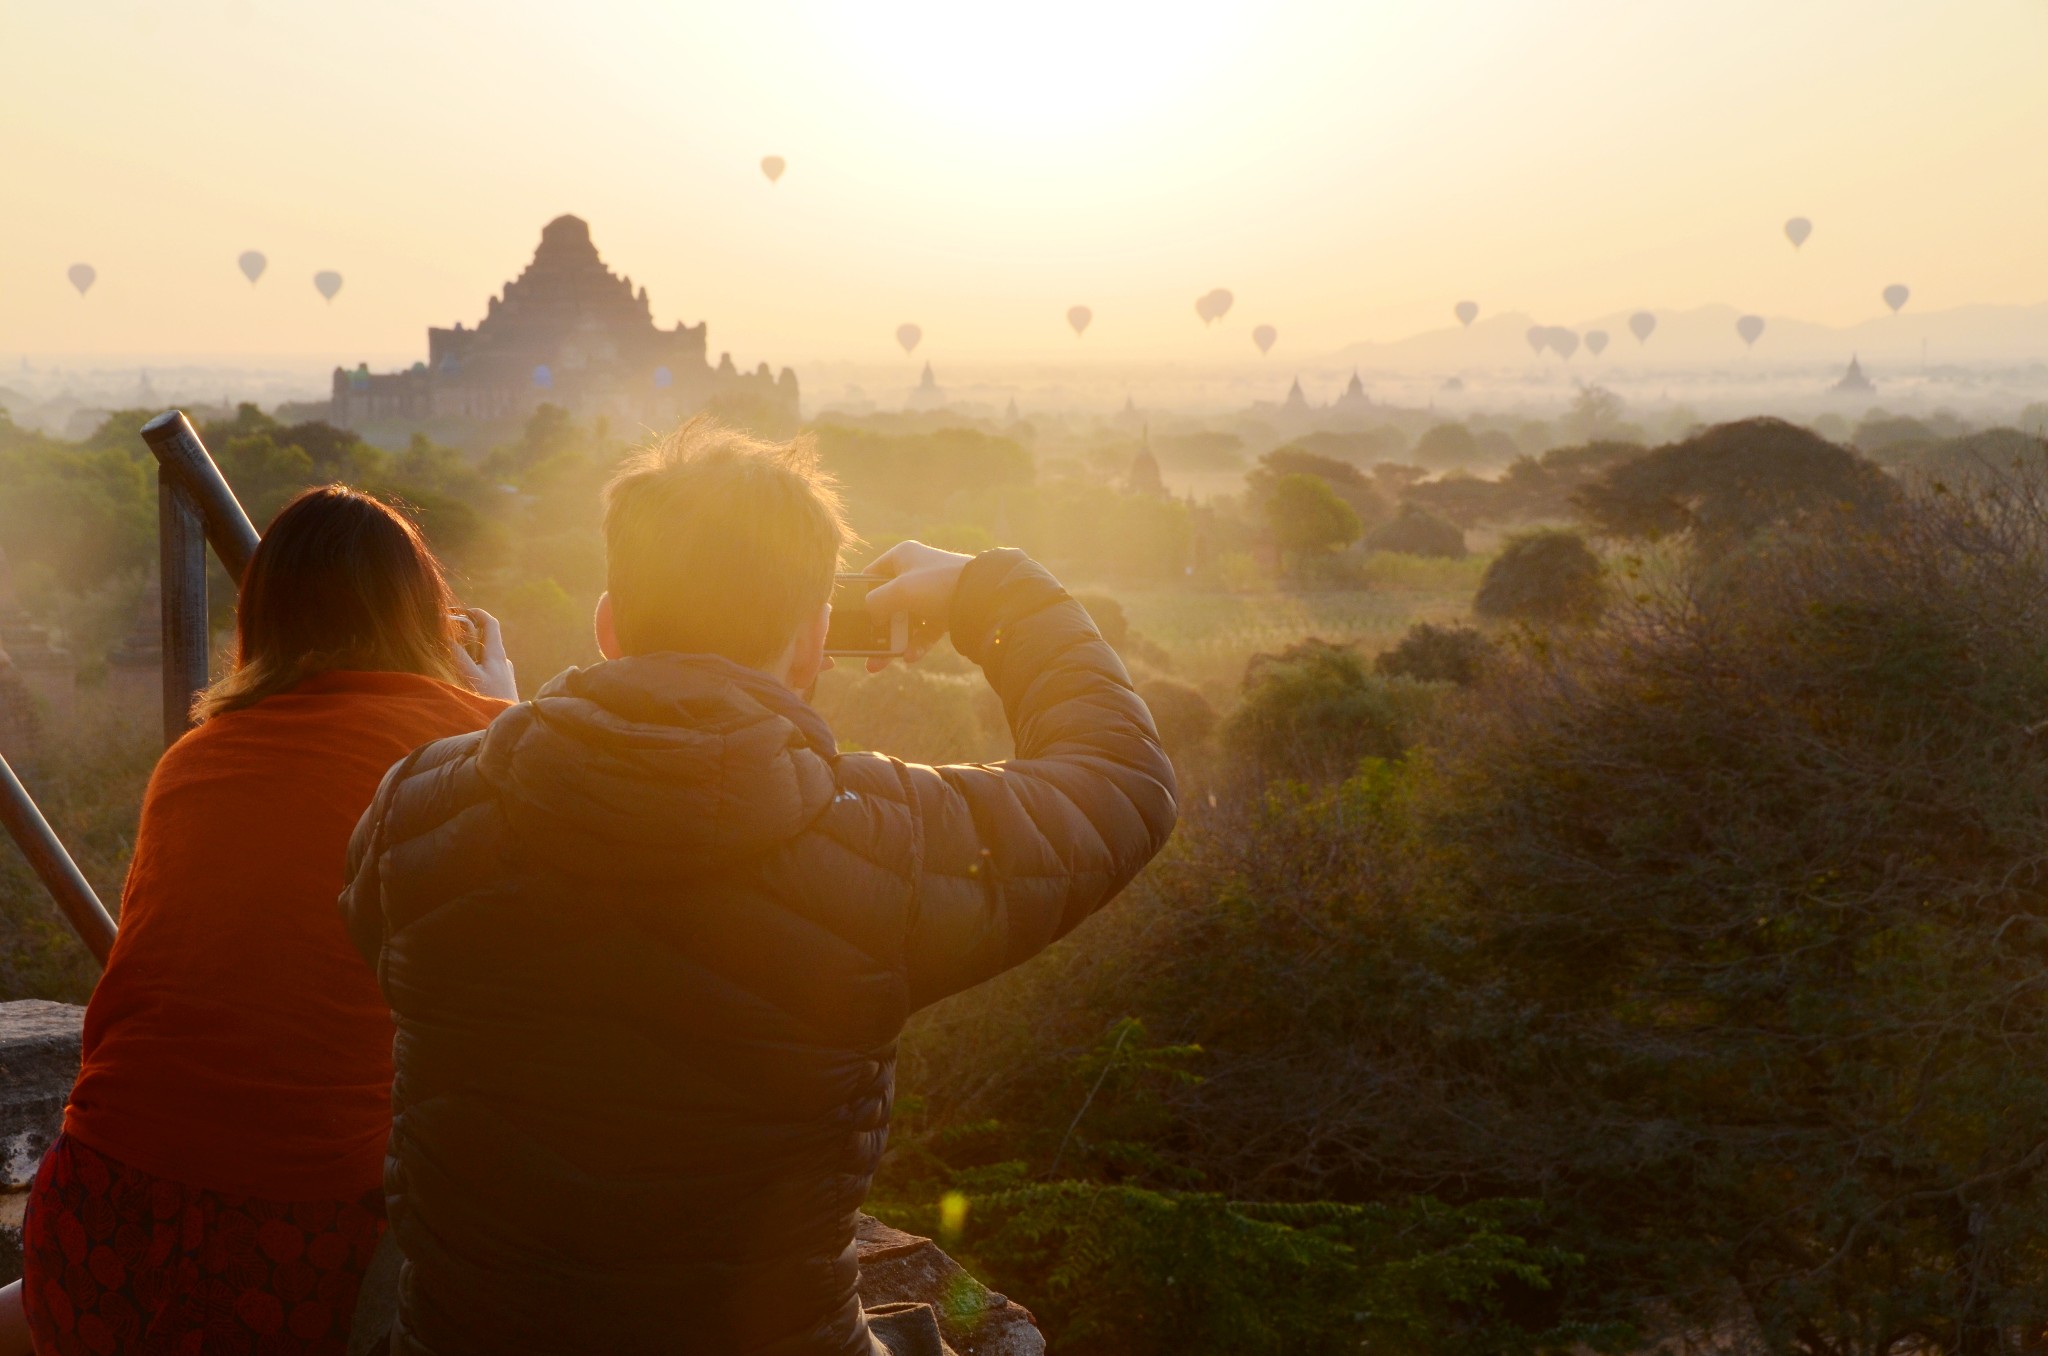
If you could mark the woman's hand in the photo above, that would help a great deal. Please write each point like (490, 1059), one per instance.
(492, 677)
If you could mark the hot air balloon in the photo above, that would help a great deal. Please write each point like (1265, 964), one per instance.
(1796, 231)
(1596, 342)
(1538, 337)
(82, 276)
(1264, 336)
(909, 336)
(1466, 311)
(542, 377)
(772, 166)
(328, 281)
(1565, 342)
(1751, 328)
(1642, 325)
(1894, 296)
(1214, 306)
(252, 264)
(663, 378)
(1078, 317)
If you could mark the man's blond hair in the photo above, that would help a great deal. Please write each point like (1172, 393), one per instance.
(718, 542)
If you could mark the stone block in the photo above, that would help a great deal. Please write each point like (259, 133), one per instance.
(39, 1049)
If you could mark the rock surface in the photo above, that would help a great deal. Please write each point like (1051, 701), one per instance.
(39, 1045)
(39, 1052)
(976, 1321)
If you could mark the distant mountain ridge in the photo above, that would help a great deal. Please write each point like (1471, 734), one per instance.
(1705, 336)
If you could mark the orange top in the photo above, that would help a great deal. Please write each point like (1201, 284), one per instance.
(237, 1042)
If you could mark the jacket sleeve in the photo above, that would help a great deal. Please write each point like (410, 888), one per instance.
(1015, 854)
(362, 903)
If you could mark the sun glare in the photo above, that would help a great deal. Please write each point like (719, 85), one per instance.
(1047, 72)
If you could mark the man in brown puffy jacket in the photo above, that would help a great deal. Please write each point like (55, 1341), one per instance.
(651, 937)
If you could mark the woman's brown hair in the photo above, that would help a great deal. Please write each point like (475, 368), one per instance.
(340, 581)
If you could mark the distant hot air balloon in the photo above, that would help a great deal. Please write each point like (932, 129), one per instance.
(252, 264)
(1894, 296)
(1078, 317)
(1751, 328)
(1264, 336)
(542, 377)
(663, 378)
(1596, 342)
(1466, 311)
(1214, 306)
(82, 276)
(1642, 325)
(773, 166)
(1565, 342)
(1538, 338)
(1796, 231)
(909, 336)
(328, 281)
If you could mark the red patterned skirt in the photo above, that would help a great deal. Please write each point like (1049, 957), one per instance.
(119, 1261)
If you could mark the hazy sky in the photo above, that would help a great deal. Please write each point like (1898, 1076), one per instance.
(1349, 168)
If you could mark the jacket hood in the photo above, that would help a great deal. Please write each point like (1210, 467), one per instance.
(657, 765)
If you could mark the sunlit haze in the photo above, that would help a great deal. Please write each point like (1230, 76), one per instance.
(1349, 170)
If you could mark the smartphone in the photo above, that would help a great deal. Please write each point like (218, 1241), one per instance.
(468, 636)
(854, 631)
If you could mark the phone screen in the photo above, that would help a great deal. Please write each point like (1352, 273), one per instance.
(853, 629)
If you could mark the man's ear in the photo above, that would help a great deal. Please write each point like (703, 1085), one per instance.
(607, 634)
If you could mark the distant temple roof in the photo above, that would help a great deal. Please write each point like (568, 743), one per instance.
(567, 331)
(1144, 477)
(1354, 395)
(1295, 399)
(1853, 379)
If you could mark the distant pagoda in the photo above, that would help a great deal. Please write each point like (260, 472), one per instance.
(1853, 381)
(570, 332)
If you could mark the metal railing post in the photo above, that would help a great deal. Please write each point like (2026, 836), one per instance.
(59, 874)
(181, 544)
(228, 530)
(195, 508)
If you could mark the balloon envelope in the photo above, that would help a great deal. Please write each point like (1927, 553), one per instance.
(1642, 324)
(1466, 311)
(1264, 336)
(1796, 231)
(1537, 337)
(252, 264)
(1596, 342)
(909, 336)
(1565, 342)
(1751, 328)
(772, 166)
(81, 276)
(1215, 305)
(1894, 296)
(328, 281)
(1078, 317)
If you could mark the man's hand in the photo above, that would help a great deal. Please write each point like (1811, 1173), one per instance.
(922, 581)
(493, 676)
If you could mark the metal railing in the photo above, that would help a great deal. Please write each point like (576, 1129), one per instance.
(194, 509)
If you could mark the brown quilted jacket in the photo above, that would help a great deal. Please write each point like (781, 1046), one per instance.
(650, 940)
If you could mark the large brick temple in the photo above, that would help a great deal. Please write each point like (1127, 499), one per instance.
(570, 332)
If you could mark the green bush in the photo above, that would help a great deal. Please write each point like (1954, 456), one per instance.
(1436, 654)
(1415, 531)
(1550, 578)
(1315, 711)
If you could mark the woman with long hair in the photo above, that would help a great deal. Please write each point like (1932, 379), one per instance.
(218, 1184)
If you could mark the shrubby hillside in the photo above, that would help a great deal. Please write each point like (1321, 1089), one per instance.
(1641, 945)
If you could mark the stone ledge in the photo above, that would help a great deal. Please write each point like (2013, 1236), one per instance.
(39, 1053)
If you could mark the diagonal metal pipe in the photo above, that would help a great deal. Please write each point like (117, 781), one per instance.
(60, 875)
